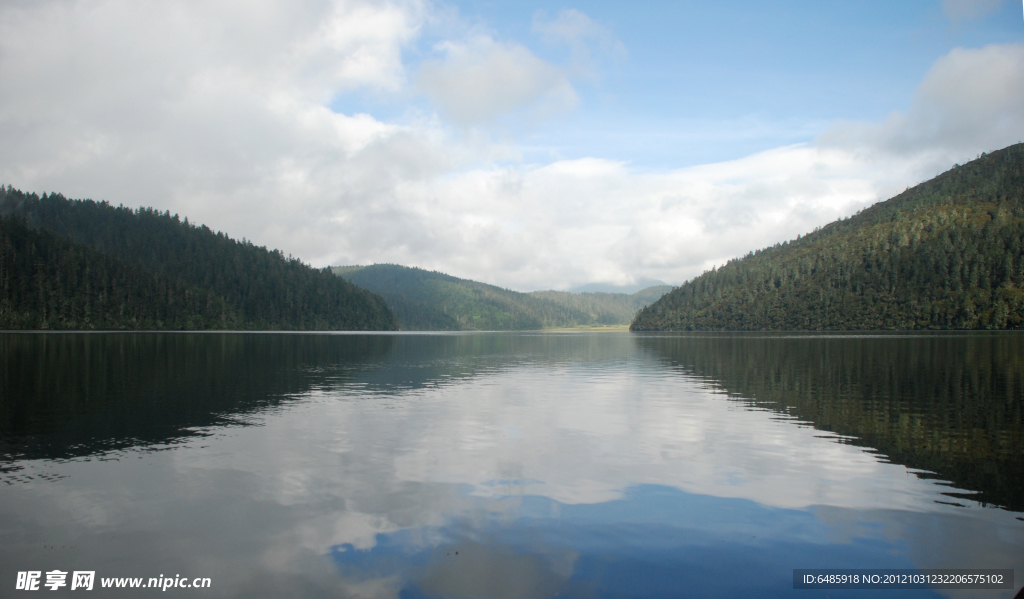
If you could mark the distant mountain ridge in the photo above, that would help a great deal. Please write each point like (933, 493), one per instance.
(100, 266)
(945, 254)
(429, 300)
(641, 284)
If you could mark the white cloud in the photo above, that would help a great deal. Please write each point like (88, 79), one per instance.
(575, 221)
(970, 101)
(582, 35)
(222, 115)
(200, 107)
(584, 220)
(481, 79)
(359, 44)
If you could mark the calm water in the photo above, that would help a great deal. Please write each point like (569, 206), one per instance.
(509, 465)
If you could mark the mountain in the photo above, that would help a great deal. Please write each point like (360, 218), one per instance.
(946, 254)
(641, 284)
(50, 283)
(98, 266)
(431, 301)
(426, 300)
(603, 309)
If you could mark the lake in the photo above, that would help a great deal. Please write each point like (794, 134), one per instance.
(508, 465)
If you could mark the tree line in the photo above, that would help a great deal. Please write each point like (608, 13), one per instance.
(946, 254)
(93, 265)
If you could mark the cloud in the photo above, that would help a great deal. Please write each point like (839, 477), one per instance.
(970, 101)
(223, 115)
(201, 108)
(575, 221)
(359, 44)
(966, 10)
(582, 35)
(480, 79)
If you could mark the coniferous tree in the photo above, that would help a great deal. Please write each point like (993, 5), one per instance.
(258, 288)
(946, 254)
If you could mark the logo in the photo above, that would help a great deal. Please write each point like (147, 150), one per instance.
(55, 579)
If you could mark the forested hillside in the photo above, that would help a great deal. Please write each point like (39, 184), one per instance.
(155, 271)
(50, 283)
(946, 254)
(604, 308)
(426, 300)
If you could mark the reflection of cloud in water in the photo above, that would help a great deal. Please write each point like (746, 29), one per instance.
(543, 476)
(463, 453)
(582, 438)
(654, 541)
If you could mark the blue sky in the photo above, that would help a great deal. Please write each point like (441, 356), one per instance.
(697, 82)
(527, 145)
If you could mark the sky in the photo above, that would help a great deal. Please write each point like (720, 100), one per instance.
(523, 144)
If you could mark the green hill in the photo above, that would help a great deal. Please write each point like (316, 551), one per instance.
(50, 283)
(425, 300)
(98, 266)
(600, 308)
(946, 254)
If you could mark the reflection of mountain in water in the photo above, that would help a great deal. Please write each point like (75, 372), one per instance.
(426, 360)
(74, 394)
(950, 404)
